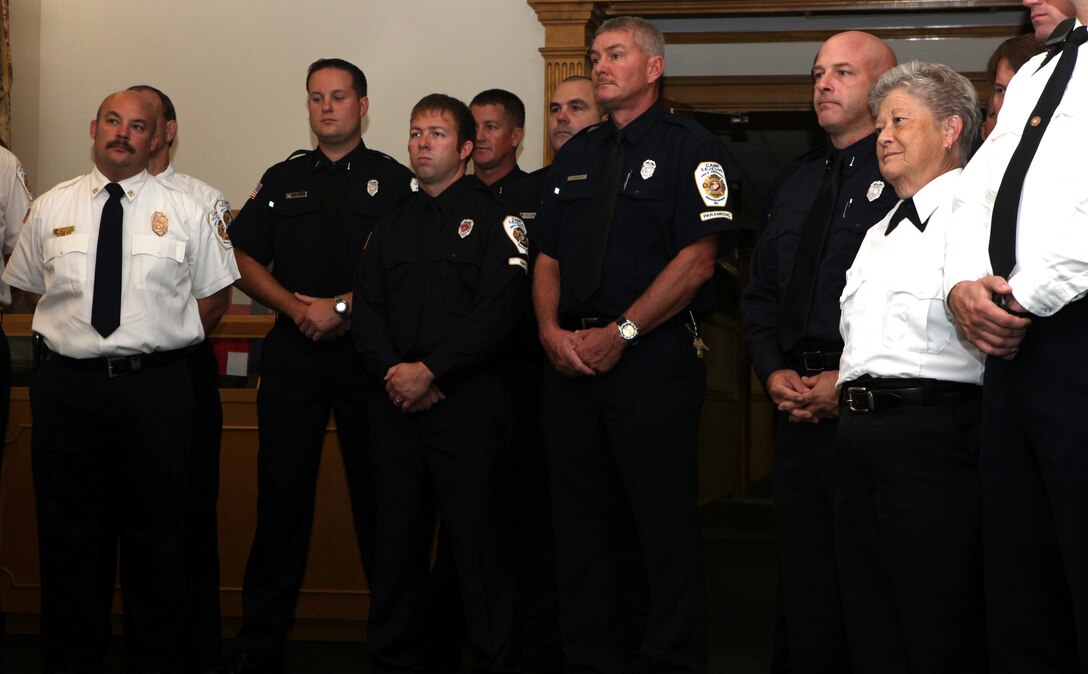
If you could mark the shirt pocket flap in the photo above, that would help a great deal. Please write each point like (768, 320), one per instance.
(59, 246)
(170, 249)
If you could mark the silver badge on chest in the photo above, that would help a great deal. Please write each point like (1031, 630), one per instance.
(648, 168)
(875, 190)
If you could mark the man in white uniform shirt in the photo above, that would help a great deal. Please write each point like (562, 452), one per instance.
(1016, 275)
(130, 275)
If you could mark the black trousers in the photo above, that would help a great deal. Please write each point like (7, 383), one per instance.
(804, 506)
(1035, 499)
(103, 445)
(452, 458)
(641, 421)
(908, 539)
(301, 381)
(201, 637)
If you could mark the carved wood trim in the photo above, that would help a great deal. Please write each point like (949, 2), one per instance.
(767, 93)
(919, 33)
(663, 8)
(569, 25)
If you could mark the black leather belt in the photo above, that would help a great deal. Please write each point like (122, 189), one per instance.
(119, 366)
(863, 397)
(585, 323)
(814, 361)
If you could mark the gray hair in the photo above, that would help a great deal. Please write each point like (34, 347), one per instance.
(647, 36)
(941, 89)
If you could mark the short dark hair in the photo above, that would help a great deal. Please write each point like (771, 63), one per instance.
(358, 79)
(462, 116)
(512, 106)
(168, 110)
(1016, 50)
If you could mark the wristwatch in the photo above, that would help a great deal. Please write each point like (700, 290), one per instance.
(628, 330)
(341, 307)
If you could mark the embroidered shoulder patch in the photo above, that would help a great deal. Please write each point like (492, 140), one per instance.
(710, 181)
(219, 220)
(515, 230)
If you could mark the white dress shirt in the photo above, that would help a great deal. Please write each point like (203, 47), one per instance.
(894, 321)
(163, 272)
(1052, 225)
(14, 206)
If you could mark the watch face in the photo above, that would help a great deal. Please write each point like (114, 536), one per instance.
(341, 307)
(628, 331)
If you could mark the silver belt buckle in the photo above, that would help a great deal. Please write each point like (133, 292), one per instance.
(856, 395)
(125, 365)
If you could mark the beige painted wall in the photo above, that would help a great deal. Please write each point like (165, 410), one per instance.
(236, 72)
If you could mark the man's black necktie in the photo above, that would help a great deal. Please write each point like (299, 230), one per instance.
(906, 211)
(1007, 202)
(106, 301)
(798, 296)
(587, 270)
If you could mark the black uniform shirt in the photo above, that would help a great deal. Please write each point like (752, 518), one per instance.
(501, 187)
(440, 280)
(673, 192)
(281, 222)
(863, 200)
(520, 193)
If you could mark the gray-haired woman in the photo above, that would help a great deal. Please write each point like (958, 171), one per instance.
(907, 513)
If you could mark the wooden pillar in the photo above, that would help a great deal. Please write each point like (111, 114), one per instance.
(568, 34)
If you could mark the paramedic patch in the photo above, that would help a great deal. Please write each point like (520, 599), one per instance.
(710, 180)
(515, 229)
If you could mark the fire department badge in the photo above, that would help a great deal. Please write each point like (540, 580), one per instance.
(648, 168)
(159, 222)
(372, 187)
(710, 180)
(465, 229)
(875, 190)
(414, 184)
(515, 229)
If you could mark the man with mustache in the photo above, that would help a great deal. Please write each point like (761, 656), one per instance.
(308, 217)
(815, 219)
(634, 214)
(130, 276)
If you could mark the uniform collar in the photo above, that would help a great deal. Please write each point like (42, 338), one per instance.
(514, 175)
(638, 127)
(855, 157)
(445, 201)
(169, 173)
(318, 160)
(131, 186)
(934, 193)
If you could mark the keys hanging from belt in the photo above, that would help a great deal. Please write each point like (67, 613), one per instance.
(700, 346)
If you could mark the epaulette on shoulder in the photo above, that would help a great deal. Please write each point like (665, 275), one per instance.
(788, 171)
(591, 128)
(380, 154)
(298, 154)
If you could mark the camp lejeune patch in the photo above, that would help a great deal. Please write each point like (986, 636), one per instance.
(710, 181)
